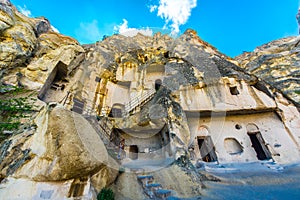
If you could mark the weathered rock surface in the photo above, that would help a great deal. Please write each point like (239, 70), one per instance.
(67, 148)
(277, 63)
(38, 70)
(20, 188)
(106, 175)
(18, 37)
(31, 41)
(200, 96)
(62, 147)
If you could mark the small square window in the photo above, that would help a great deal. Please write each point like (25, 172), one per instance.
(98, 79)
(234, 90)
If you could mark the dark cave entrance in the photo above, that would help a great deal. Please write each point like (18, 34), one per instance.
(133, 152)
(259, 146)
(207, 149)
(158, 84)
(56, 81)
(234, 90)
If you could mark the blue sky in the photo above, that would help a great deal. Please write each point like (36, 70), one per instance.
(232, 26)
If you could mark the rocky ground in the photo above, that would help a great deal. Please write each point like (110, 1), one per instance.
(258, 180)
(254, 181)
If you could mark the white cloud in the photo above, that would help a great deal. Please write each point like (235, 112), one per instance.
(123, 29)
(25, 11)
(88, 32)
(174, 12)
(153, 8)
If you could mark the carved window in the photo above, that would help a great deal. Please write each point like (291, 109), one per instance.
(234, 90)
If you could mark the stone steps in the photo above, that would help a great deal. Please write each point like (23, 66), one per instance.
(133, 105)
(139, 101)
(100, 127)
(162, 194)
(154, 190)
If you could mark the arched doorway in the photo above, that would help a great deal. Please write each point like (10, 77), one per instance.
(158, 84)
(232, 146)
(258, 143)
(203, 145)
(207, 149)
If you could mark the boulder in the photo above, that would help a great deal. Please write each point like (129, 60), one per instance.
(106, 175)
(64, 146)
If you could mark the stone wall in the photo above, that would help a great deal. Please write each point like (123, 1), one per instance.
(273, 131)
(245, 98)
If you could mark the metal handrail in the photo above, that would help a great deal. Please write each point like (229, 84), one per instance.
(129, 106)
(101, 127)
(139, 100)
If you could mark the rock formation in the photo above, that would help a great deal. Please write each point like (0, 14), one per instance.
(30, 49)
(277, 64)
(170, 99)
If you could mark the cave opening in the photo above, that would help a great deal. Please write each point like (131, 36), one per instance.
(207, 149)
(133, 152)
(259, 146)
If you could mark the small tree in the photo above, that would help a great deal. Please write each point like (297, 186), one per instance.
(106, 194)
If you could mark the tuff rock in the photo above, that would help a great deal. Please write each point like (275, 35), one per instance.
(277, 63)
(170, 99)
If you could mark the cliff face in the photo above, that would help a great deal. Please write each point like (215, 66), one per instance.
(168, 98)
(30, 49)
(277, 63)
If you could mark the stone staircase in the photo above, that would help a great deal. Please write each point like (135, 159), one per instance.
(135, 104)
(154, 190)
(102, 127)
(138, 102)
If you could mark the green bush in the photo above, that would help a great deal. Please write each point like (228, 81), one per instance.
(106, 194)
(14, 108)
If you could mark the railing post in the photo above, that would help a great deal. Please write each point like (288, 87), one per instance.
(137, 101)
